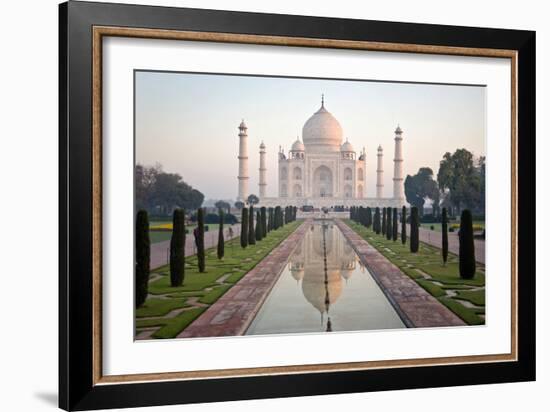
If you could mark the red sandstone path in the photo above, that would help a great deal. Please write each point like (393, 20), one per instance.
(160, 251)
(234, 311)
(415, 306)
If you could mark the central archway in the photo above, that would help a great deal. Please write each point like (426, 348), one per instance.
(323, 182)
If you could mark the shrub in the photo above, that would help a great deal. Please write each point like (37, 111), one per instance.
(404, 225)
(143, 257)
(432, 227)
(466, 250)
(414, 230)
(444, 236)
(244, 227)
(177, 248)
(200, 241)
(221, 240)
(213, 218)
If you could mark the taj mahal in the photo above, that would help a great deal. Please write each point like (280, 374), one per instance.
(322, 170)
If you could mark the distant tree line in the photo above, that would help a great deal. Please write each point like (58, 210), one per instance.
(459, 184)
(160, 193)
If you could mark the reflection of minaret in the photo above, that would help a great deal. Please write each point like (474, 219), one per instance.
(379, 173)
(398, 188)
(263, 170)
(243, 163)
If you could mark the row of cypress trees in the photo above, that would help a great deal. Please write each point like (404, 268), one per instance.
(385, 221)
(267, 219)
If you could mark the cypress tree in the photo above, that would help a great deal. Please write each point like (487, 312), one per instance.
(389, 224)
(466, 250)
(351, 216)
(369, 216)
(251, 234)
(394, 227)
(244, 227)
(263, 214)
(404, 225)
(444, 236)
(258, 230)
(221, 240)
(384, 222)
(270, 220)
(143, 257)
(414, 230)
(376, 223)
(201, 258)
(277, 217)
(177, 248)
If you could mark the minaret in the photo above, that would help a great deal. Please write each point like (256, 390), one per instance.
(379, 174)
(243, 163)
(398, 188)
(263, 170)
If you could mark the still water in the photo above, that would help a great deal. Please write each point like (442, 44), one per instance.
(311, 296)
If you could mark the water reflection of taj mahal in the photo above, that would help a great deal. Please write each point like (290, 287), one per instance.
(307, 266)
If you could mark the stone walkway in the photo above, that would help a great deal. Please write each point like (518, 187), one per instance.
(234, 311)
(415, 306)
(433, 237)
(160, 252)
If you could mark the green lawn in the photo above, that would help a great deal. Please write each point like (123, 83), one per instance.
(427, 269)
(201, 289)
(437, 226)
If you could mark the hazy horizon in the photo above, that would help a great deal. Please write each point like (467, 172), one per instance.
(188, 123)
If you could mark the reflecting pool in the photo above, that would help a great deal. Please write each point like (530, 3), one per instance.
(314, 296)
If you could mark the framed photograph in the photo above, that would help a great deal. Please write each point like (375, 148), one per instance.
(256, 205)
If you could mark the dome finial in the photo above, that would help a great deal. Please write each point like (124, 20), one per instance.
(322, 100)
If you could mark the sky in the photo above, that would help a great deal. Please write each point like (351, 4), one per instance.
(188, 123)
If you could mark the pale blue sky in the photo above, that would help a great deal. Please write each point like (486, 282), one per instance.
(188, 123)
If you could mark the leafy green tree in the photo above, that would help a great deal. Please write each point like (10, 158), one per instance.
(258, 230)
(177, 248)
(244, 227)
(222, 204)
(252, 200)
(394, 226)
(159, 192)
(221, 240)
(415, 222)
(404, 225)
(143, 257)
(466, 249)
(201, 258)
(458, 175)
(251, 234)
(263, 214)
(421, 186)
(239, 205)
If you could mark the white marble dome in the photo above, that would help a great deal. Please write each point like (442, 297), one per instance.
(322, 132)
(347, 147)
(298, 146)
